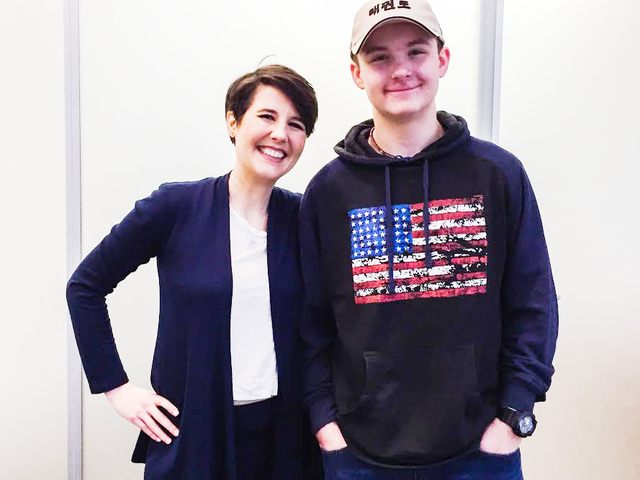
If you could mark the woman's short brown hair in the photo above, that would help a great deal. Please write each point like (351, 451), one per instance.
(297, 89)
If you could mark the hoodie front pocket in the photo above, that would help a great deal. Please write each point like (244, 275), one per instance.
(414, 404)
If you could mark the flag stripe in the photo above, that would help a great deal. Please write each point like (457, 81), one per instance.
(455, 292)
(413, 280)
(382, 267)
(473, 202)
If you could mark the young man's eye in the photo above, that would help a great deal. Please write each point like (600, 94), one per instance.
(417, 52)
(377, 58)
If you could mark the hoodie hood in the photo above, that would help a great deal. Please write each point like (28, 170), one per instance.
(355, 149)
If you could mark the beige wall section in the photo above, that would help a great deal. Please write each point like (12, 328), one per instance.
(570, 112)
(154, 76)
(33, 342)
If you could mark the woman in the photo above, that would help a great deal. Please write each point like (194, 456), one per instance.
(230, 299)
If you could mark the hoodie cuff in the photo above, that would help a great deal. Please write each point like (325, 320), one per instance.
(518, 397)
(321, 413)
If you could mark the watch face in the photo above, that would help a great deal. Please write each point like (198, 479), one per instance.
(525, 424)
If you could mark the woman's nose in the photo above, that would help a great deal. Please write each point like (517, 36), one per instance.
(278, 133)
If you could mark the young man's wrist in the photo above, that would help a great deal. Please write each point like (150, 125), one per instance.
(321, 414)
(518, 397)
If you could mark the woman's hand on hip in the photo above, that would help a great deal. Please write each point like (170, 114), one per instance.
(140, 407)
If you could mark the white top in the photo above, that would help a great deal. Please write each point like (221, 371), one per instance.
(253, 356)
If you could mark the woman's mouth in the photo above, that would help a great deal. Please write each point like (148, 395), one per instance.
(274, 153)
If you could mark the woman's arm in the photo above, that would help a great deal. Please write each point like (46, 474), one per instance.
(133, 242)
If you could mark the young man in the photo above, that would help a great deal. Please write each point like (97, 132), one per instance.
(431, 315)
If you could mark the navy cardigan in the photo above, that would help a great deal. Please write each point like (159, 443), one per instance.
(186, 227)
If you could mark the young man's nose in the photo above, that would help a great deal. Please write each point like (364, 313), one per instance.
(400, 70)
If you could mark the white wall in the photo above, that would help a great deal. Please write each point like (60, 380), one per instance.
(33, 322)
(570, 111)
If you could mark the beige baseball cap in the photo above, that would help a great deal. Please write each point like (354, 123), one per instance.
(374, 13)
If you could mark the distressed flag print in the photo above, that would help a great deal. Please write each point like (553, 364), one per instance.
(458, 243)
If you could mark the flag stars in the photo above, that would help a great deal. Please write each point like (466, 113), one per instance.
(369, 231)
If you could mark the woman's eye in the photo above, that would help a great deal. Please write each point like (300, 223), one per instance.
(268, 116)
(297, 126)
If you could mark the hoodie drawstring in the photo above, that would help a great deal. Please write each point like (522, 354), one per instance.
(391, 285)
(425, 213)
(390, 230)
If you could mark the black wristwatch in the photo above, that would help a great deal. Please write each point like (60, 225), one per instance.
(523, 424)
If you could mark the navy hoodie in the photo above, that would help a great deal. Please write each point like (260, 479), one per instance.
(430, 299)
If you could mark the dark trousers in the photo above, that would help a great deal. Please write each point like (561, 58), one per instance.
(255, 427)
(343, 465)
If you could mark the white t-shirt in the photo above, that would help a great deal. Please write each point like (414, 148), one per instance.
(253, 356)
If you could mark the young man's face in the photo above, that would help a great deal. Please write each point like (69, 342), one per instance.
(399, 67)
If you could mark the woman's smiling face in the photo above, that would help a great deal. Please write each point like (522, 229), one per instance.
(269, 138)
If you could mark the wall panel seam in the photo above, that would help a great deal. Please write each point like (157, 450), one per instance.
(73, 227)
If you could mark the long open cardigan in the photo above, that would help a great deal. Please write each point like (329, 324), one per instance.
(186, 227)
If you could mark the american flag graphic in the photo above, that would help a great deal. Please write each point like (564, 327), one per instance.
(457, 240)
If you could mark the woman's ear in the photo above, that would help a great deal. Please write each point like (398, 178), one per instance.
(232, 124)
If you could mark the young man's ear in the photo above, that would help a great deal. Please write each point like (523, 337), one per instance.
(444, 56)
(231, 124)
(355, 74)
